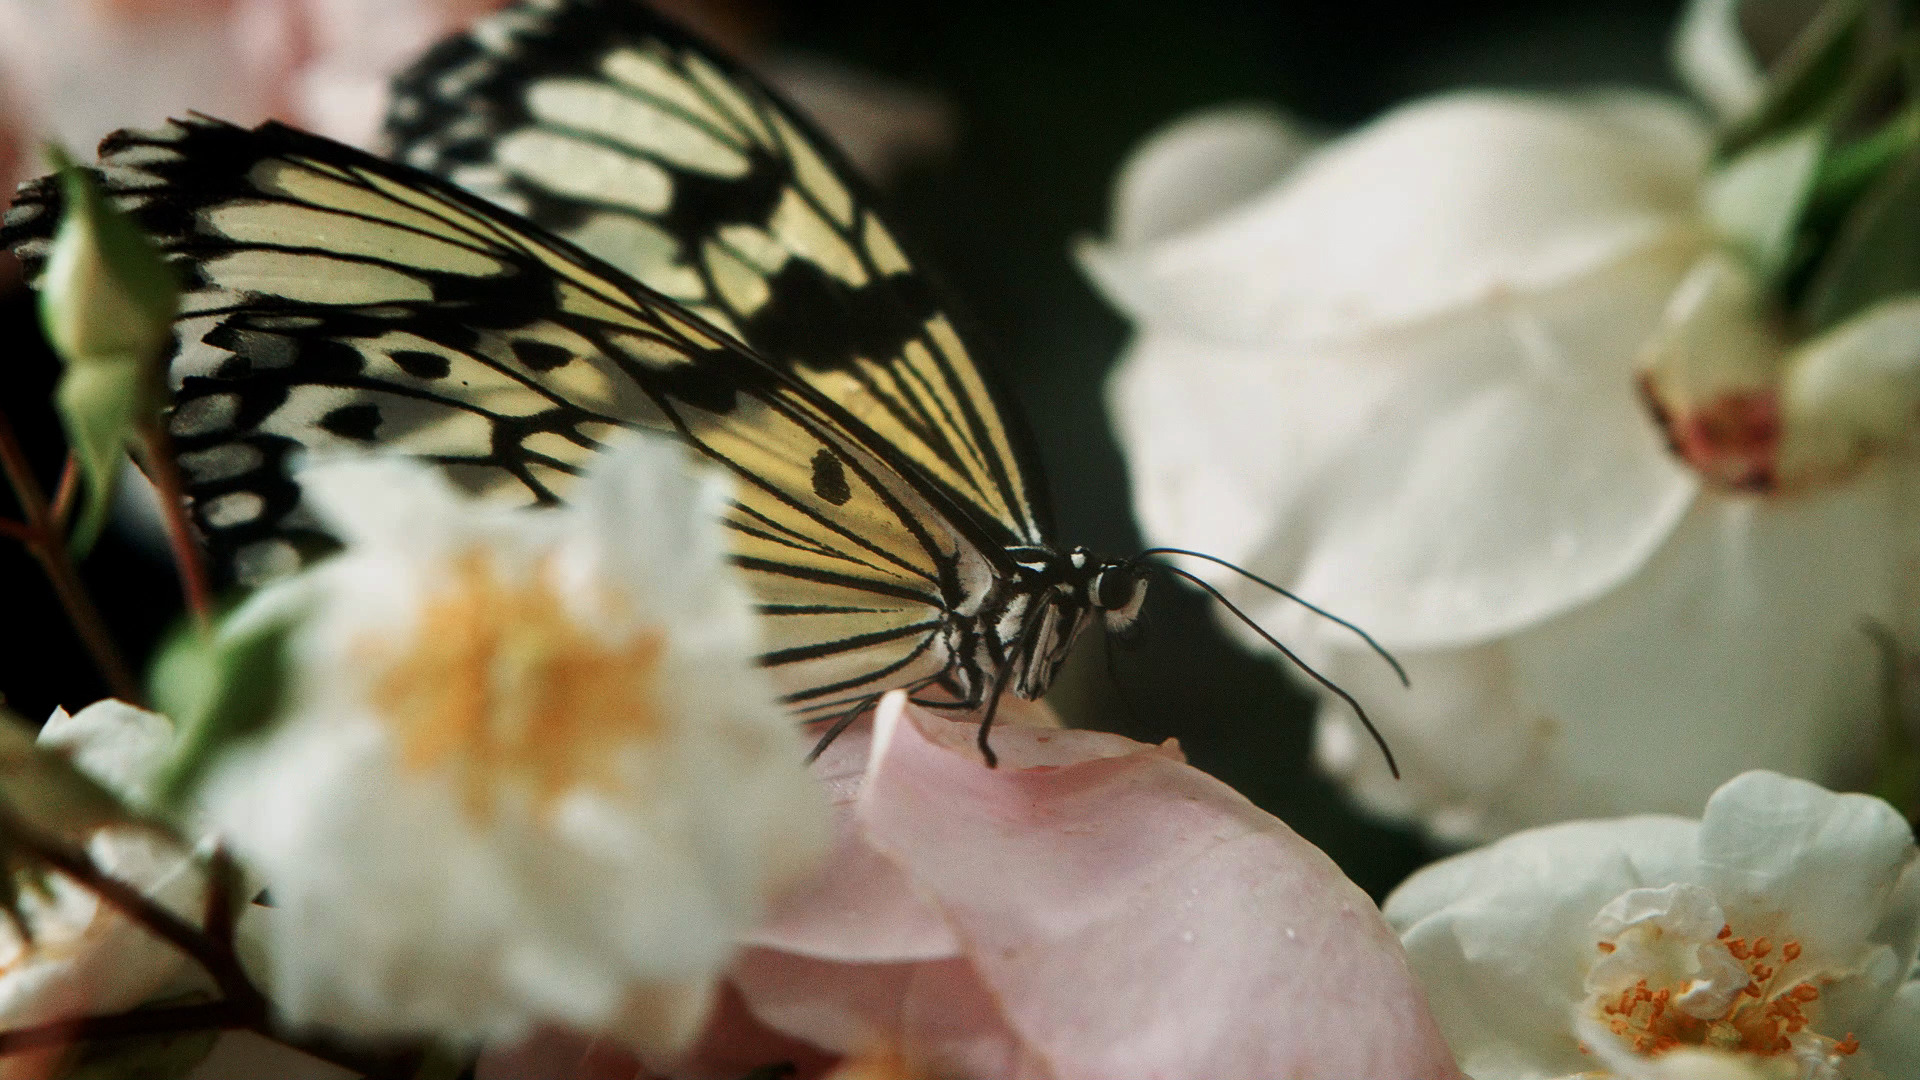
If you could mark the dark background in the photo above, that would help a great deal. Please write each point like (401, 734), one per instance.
(1049, 96)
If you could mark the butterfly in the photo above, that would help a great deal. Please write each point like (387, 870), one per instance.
(590, 222)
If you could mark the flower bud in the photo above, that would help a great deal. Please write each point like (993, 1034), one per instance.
(106, 295)
(107, 301)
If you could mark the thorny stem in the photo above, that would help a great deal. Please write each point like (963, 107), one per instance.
(42, 537)
(156, 457)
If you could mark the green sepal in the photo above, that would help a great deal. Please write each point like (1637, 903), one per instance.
(1873, 255)
(220, 688)
(101, 407)
(1757, 199)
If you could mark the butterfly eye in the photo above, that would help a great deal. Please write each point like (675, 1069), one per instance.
(1117, 590)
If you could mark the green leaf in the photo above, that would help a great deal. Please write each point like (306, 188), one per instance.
(1816, 79)
(1874, 254)
(1757, 199)
(221, 689)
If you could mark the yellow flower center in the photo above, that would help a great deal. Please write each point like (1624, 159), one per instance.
(1762, 1019)
(502, 684)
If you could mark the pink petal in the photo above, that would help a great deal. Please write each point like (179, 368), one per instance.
(940, 1013)
(861, 906)
(557, 1053)
(1135, 917)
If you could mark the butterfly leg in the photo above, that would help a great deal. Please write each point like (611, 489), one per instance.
(986, 721)
(840, 724)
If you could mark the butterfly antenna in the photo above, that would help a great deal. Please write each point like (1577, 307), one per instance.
(1264, 583)
(1378, 739)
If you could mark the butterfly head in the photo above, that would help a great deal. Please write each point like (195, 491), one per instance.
(1116, 590)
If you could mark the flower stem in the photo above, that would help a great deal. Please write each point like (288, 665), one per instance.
(156, 458)
(241, 1005)
(66, 492)
(171, 1019)
(221, 964)
(43, 538)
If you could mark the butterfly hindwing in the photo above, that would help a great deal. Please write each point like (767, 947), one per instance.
(336, 300)
(610, 127)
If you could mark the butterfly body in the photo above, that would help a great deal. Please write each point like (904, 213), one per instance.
(615, 230)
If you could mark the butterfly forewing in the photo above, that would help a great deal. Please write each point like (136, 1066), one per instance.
(603, 124)
(338, 301)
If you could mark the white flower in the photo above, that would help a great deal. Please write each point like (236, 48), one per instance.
(87, 958)
(1397, 374)
(529, 770)
(1776, 936)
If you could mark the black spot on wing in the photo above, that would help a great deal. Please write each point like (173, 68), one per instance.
(422, 365)
(541, 355)
(830, 478)
(357, 422)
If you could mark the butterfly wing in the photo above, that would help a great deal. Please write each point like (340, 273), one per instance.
(335, 300)
(612, 128)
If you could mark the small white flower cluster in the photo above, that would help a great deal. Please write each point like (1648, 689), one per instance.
(528, 771)
(525, 772)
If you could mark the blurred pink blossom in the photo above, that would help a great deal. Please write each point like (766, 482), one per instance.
(86, 69)
(1093, 908)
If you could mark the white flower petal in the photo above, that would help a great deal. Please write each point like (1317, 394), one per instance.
(1667, 937)
(117, 744)
(435, 866)
(1895, 1038)
(1712, 55)
(1487, 934)
(1844, 859)
(1851, 391)
(382, 500)
(1201, 166)
(1739, 646)
(1439, 485)
(1620, 921)
(1517, 194)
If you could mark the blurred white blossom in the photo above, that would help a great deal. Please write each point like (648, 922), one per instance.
(1398, 374)
(529, 769)
(1774, 937)
(86, 958)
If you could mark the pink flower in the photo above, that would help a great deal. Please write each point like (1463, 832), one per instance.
(86, 69)
(1093, 908)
